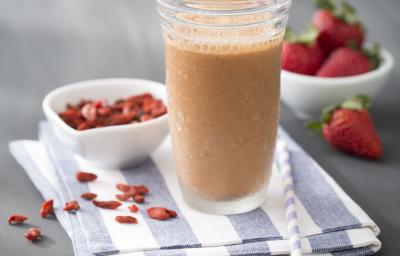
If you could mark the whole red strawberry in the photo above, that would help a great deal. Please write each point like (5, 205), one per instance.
(302, 54)
(346, 61)
(349, 127)
(337, 27)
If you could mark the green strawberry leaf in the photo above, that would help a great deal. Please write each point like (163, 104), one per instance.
(358, 102)
(373, 55)
(325, 5)
(327, 113)
(347, 13)
(308, 37)
(314, 126)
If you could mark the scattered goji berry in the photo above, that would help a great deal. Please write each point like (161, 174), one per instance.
(123, 197)
(158, 213)
(133, 208)
(88, 196)
(171, 213)
(71, 206)
(123, 187)
(139, 199)
(47, 208)
(16, 219)
(142, 189)
(126, 219)
(85, 176)
(107, 204)
(33, 234)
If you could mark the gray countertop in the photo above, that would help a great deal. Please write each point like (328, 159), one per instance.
(48, 43)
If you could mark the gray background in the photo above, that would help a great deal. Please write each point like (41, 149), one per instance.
(48, 43)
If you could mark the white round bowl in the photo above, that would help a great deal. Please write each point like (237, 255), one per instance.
(113, 146)
(308, 95)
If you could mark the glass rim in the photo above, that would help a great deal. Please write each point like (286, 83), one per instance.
(194, 7)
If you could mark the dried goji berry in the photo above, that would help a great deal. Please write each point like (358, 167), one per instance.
(126, 219)
(118, 119)
(88, 114)
(156, 112)
(85, 176)
(88, 196)
(123, 187)
(161, 213)
(123, 197)
(158, 213)
(145, 117)
(71, 206)
(142, 189)
(47, 208)
(133, 208)
(89, 111)
(16, 219)
(33, 234)
(139, 199)
(171, 213)
(104, 111)
(107, 204)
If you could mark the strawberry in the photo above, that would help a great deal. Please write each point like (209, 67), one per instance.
(348, 127)
(301, 54)
(338, 27)
(346, 61)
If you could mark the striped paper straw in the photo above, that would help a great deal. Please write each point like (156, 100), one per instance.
(290, 201)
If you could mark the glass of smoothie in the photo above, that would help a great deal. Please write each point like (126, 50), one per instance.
(223, 83)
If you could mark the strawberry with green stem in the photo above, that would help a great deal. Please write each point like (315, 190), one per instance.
(348, 127)
(346, 61)
(302, 54)
(338, 27)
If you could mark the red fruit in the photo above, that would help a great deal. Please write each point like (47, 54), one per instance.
(142, 189)
(16, 219)
(337, 28)
(71, 206)
(302, 58)
(124, 197)
(88, 196)
(301, 54)
(33, 234)
(133, 208)
(126, 219)
(107, 204)
(349, 127)
(160, 213)
(89, 111)
(47, 208)
(119, 119)
(349, 62)
(139, 199)
(123, 187)
(345, 62)
(85, 176)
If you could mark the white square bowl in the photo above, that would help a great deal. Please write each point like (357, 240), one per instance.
(308, 95)
(113, 146)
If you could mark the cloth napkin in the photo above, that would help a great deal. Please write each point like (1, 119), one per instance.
(330, 222)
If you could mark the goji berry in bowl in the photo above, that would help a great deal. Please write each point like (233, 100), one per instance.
(113, 146)
(308, 95)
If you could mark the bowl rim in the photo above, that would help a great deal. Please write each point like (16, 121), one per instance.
(385, 66)
(51, 114)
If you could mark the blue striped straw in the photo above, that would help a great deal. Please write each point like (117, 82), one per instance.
(290, 201)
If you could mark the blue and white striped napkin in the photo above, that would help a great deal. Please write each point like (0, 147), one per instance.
(330, 223)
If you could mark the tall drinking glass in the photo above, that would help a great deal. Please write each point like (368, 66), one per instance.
(223, 82)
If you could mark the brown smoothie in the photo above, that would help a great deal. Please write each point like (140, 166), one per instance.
(224, 111)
